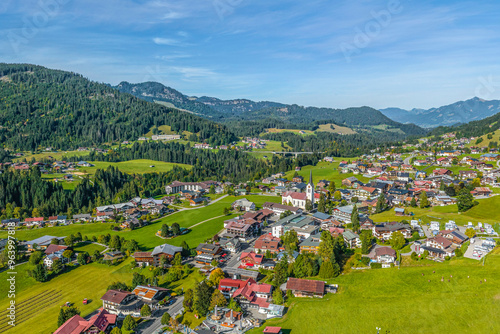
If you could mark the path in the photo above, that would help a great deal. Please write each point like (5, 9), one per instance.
(196, 208)
(205, 221)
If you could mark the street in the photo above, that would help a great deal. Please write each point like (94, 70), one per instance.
(154, 324)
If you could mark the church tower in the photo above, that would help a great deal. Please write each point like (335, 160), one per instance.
(310, 189)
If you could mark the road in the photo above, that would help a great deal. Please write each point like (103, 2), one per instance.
(152, 326)
(408, 160)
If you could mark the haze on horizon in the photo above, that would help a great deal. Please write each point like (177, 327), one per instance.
(407, 54)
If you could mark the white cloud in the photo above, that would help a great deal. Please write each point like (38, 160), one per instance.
(167, 41)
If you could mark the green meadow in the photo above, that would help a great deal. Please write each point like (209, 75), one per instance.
(404, 301)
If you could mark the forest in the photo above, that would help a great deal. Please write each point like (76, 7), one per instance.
(50, 108)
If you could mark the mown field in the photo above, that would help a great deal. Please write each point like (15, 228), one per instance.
(487, 211)
(139, 166)
(404, 301)
(325, 171)
(337, 129)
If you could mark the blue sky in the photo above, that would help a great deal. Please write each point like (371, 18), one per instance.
(322, 53)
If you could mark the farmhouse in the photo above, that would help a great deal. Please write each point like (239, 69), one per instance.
(305, 288)
(121, 303)
(206, 253)
(243, 204)
(249, 293)
(102, 322)
(153, 258)
(384, 231)
(385, 255)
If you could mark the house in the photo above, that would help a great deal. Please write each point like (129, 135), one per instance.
(122, 303)
(151, 295)
(348, 182)
(239, 228)
(102, 322)
(42, 242)
(385, 256)
(243, 204)
(232, 244)
(385, 230)
(248, 293)
(278, 208)
(48, 261)
(351, 239)
(456, 237)
(439, 247)
(267, 242)
(57, 220)
(260, 216)
(176, 186)
(481, 191)
(467, 174)
(305, 288)
(443, 200)
(272, 330)
(343, 213)
(84, 217)
(153, 258)
(251, 259)
(206, 253)
(112, 256)
(310, 245)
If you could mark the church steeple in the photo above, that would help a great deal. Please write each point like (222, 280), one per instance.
(311, 178)
(310, 188)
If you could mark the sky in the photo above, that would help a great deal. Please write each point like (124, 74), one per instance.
(395, 53)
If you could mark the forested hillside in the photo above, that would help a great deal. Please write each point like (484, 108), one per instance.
(472, 129)
(247, 117)
(41, 107)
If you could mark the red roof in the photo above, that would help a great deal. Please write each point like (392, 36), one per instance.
(306, 285)
(295, 195)
(272, 330)
(35, 219)
(74, 325)
(54, 248)
(251, 256)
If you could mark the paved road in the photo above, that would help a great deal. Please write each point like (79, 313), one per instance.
(407, 160)
(153, 325)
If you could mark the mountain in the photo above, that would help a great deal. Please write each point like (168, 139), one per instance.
(471, 129)
(456, 113)
(243, 114)
(41, 107)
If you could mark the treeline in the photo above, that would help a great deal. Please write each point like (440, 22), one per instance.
(333, 144)
(222, 165)
(43, 107)
(472, 129)
(25, 194)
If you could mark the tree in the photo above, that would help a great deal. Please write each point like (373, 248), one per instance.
(177, 261)
(145, 310)
(68, 254)
(164, 230)
(69, 240)
(226, 211)
(66, 313)
(174, 323)
(414, 256)
(366, 242)
(424, 202)
(470, 232)
(129, 323)
(337, 196)
(35, 258)
(186, 251)
(212, 190)
(165, 318)
(290, 241)
(326, 270)
(40, 273)
(188, 300)
(285, 214)
(280, 272)
(35, 213)
(115, 243)
(83, 258)
(176, 229)
(309, 205)
(57, 266)
(202, 298)
(216, 276)
(413, 202)
(326, 245)
(332, 187)
(381, 204)
(322, 203)
(465, 200)
(117, 330)
(397, 240)
(234, 305)
(277, 297)
(217, 299)
(355, 218)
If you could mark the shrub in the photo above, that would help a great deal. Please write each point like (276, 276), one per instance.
(365, 260)
(447, 258)
(376, 265)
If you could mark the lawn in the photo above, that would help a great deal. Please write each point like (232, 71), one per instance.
(486, 212)
(38, 304)
(88, 247)
(403, 301)
(135, 166)
(55, 155)
(325, 171)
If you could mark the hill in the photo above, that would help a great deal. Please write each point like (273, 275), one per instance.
(244, 116)
(472, 129)
(460, 112)
(41, 107)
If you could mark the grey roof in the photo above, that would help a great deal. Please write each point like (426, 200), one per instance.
(166, 249)
(45, 240)
(321, 215)
(3, 242)
(349, 235)
(312, 241)
(82, 215)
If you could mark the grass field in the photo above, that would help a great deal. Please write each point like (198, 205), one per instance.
(486, 141)
(486, 212)
(325, 171)
(88, 247)
(135, 166)
(296, 131)
(55, 155)
(337, 129)
(403, 301)
(38, 304)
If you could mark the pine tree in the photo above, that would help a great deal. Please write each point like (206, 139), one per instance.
(424, 202)
(355, 218)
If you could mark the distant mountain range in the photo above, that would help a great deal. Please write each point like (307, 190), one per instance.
(457, 113)
(241, 110)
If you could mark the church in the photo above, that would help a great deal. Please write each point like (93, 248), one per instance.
(299, 199)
